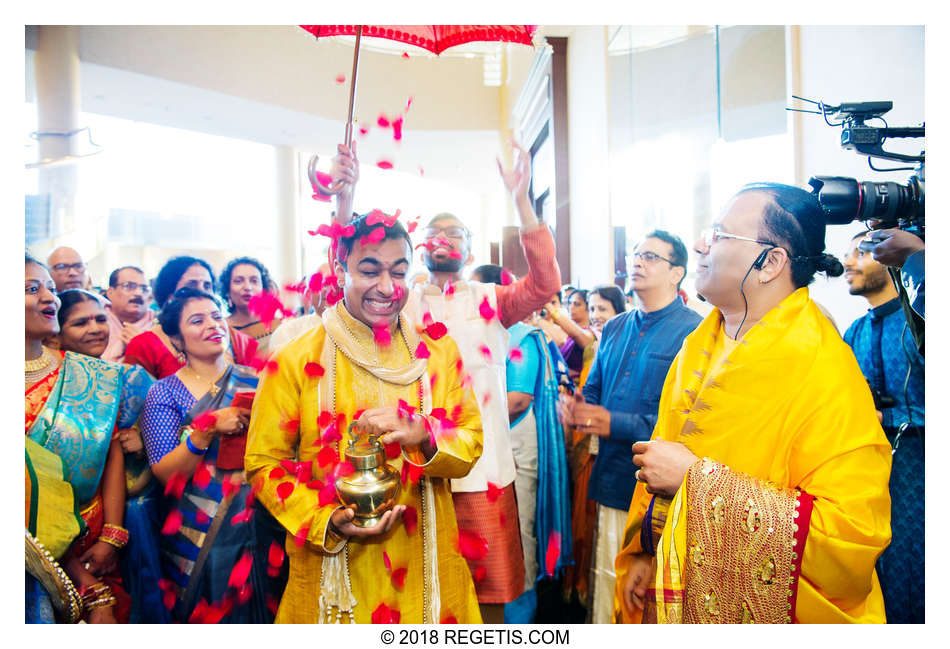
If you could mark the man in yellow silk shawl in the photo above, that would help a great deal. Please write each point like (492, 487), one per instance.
(367, 364)
(767, 462)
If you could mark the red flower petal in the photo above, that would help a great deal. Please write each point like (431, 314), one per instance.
(410, 519)
(436, 330)
(433, 379)
(301, 536)
(275, 555)
(277, 473)
(472, 545)
(398, 578)
(449, 288)
(314, 370)
(340, 78)
(284, 489)
(290, 425)
(515, 355)
(243, 516)
(392, 450)
(408, 101)
(485, 310)
(415, 471)
(303, 474)
(422, 350)
(405, 55)
(486, 399)
(494, 491)
(382, 121)
(404, 409)
(479, 573)
(421, 171)
(382, 335)
(326, 495)
(387, 562)
(198, 614)
(241, 570)
(245, 593)
(288, 465)
(412, 226)
(325, 419)
(172, 523)
(204, 421)
(316, 485)
(397, 129)
(270, 367)
(202, 518)
(383, 615)
(229, 487)
(506, 277)
(382, 163)
(449, 619)
(363, 130)
(456, 413)
(327, 456)
(458, 364)
(175, 486)
(168, 599)
(485, 351)
(331, 436)
(553, 552)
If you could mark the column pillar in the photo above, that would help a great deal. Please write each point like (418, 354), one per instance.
(289, 240)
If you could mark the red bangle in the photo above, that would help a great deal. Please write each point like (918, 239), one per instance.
(114, 535)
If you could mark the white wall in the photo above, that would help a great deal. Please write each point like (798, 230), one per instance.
(591, 227)
(847, 64)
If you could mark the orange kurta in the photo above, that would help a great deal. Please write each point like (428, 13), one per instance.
(789, 408)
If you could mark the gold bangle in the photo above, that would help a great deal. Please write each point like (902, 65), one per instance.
(103, 602)
(112, 542)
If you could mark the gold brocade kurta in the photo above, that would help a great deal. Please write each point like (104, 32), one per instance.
(290, 394)
(789, 407)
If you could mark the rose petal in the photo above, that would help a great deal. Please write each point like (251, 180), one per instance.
(398, 578)
(175, 486)
(397, 129)
(243, 516)
(382, 121)
(229, 487)
(277, 473)
(275, 555)
(472, 545)
(314, 370)
(340, 78)
(172, 522)
(485, 310)
(301, 536)
(515, 355)
(202, 518)
(245, 593)
(241, 570)
(422, 350)
(485, 351)
(479, 574)
(327, 456)
(436, 330)
(324, 419)
(382, 335)
(553, 552)
(449, 619)
(494, 491)
(284, 489)
(382, 163)
(410, 519)
(506, 277)
(387, 562)
(449, 289)
(204, 421)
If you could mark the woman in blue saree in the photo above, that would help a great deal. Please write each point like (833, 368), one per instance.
(216, 557)
(84, 329)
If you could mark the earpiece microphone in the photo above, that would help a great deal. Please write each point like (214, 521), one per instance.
(760, 260)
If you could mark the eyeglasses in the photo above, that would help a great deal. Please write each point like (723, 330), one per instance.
(59, 268)
(651, 257)
(132, 286)
(454, 231)
(711, 235)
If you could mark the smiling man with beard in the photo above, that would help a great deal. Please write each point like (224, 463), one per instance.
(129, 296)
(894, 369)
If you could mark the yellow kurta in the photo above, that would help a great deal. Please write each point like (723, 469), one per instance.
(790, 407)
(290, 394)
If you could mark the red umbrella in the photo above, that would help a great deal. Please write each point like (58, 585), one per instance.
(434, 38)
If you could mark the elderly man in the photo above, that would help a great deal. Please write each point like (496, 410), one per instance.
(762, 496)
(477, 316)
(894, 369)
(619, 403)
(128, 313)
(364, 367)
(67, 269)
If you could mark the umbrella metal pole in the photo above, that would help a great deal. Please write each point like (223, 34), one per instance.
(348, 131)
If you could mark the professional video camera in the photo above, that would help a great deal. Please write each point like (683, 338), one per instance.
(881, 205)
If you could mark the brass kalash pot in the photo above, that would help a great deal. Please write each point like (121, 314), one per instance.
(373, 485)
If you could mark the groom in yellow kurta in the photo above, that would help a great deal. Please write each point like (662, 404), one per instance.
(763, 495)
(367, 357)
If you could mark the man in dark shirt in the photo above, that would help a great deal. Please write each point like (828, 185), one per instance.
(622, 393)
(894, 369)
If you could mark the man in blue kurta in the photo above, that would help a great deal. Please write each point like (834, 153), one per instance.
(622, 394)
(888, 357)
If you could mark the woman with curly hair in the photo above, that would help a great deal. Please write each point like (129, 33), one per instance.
(241, 280)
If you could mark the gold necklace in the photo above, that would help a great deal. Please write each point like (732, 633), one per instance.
(37, 368)
(213, 386)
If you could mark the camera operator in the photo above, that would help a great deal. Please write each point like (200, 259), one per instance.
(894, 369)
(903, 250)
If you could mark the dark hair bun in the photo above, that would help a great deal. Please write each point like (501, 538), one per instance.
(829, 264)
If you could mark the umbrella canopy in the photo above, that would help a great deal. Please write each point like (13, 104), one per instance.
(434, 38)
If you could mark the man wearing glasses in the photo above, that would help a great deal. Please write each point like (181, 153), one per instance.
(762, 495)
(129, 296)
(67, 269)
(620, 399)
